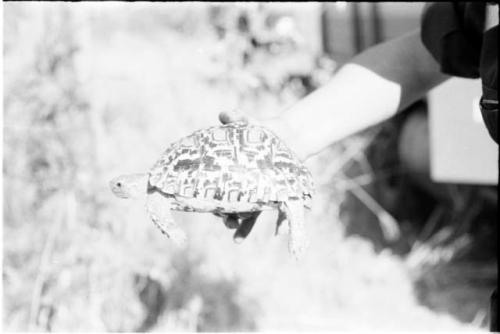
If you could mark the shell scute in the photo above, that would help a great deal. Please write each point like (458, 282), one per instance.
(234, 163)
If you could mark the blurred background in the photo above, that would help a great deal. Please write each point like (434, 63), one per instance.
(94, 90)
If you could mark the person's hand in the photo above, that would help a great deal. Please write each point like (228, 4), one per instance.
(277, 125)
(226, 117)
(243, 225)
(244, 222)
(241, 222)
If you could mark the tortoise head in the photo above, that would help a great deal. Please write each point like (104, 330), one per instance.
(129, 186)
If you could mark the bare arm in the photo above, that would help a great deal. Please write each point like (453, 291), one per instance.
(371, 88)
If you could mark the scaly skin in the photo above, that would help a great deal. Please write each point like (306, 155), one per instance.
(229, 170)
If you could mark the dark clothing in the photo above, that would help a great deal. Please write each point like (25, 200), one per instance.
(454, 33)
(494, 312)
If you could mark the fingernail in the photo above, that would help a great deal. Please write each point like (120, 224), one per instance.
(238, 239)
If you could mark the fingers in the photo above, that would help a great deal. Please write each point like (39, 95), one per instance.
(226, 117)
(231, 221)
(246, 226)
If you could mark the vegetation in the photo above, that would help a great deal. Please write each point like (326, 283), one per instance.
(93, 90)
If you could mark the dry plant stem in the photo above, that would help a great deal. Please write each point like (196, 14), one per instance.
(365, 164)
(365, 179)
(44, 263)
(349, 154)
(389, 226)
(479, 318)
(467, 218)
(431, 223)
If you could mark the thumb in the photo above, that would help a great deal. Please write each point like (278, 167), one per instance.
(226, 117)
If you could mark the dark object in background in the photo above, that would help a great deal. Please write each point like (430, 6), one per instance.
(434, 214)
(413, 144)
(213, 304)
(153, 297)
(494, 312)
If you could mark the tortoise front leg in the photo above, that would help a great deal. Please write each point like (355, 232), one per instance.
(295, 215)
(158, 207)
(279, 224)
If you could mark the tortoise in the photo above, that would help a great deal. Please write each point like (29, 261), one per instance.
(232, 170)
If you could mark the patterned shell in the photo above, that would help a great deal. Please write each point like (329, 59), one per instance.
(232, 162)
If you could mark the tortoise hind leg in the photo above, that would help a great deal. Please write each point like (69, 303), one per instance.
(158, 208)
(295, 215)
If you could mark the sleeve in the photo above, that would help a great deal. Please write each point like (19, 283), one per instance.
(452, 32)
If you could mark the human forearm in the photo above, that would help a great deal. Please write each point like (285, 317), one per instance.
(369, 89)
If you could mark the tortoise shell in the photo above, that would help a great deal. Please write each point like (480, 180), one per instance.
(236, 162)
